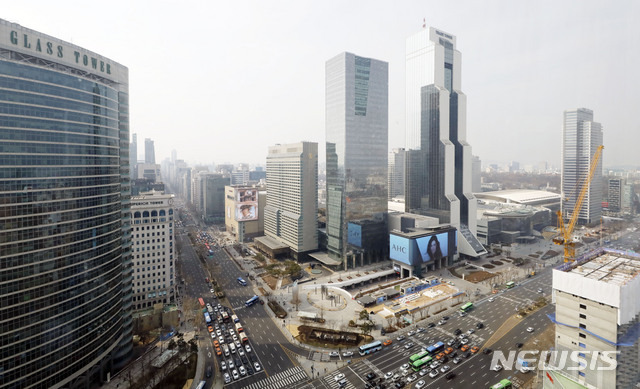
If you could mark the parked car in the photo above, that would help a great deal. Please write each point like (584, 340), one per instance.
(487, 351)
(474, 349)
(457, 332)
(334, 354)
(338, 376)
(530, 329)
(347, 354)
(433, 373)
(480, 325)
(450, 376)
(445, 368)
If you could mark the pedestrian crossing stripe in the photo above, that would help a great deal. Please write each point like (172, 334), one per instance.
(282, 379)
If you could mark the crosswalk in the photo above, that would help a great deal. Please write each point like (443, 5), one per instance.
(330, 381)
(284, 379)
(373, 367)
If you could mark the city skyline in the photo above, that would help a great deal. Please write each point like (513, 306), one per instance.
(520, 76)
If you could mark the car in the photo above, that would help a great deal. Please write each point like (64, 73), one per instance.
(235, 374)
(398, 385)
(497, 368)
(238, 361)
(243, 371)
(457, 360)
(235, 338)
(442, 322)
(218, 351)
(211, 291)
(230, 364)
(244, 359)
(448, 351)
(347, 354)
(462, 336)
(408, 345)
(434, 373)
(388, 375)
(491, 299)
(223, 365)
(412, 378)
(387, 342)
(411, 333)
(342, 383)
(474, 349)
(227, 378)
(218, 332)
(423, 372)
(464, 347)
(487, 351)
(221, 339)
(405, 366)
(210, 328)
(256, 366)
(213, 335)
(240, 352)
(440, 356)
(540, 290)
(518, 345)
(338, 376)
(420, 384)
(431, 325)
(238, 345)
(434, 365)
(467, 354)
(457, 332)
(450, 342)
(463, 314)
(450, 376)
(445, 368)
(470, 331)
(421, 329)
(400, 338)
(249, 370)
(480, 325)
(334, 354)
(530, 329)
(464, 341)
(370, 376)
(445, 317)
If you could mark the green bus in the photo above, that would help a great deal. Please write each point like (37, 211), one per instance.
(417, 356)
(466, 307)
(417, 365)
(510, 284)
(501, 385)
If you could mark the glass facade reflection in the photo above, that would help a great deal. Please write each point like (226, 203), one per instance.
(357, 102)
(64, 189)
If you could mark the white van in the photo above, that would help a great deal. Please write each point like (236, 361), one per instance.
(232, 347)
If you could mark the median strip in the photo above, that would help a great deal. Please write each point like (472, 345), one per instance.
(504, 329)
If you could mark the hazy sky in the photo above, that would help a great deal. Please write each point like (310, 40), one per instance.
(222, 81)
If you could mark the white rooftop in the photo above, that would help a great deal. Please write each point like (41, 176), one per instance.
(520, 196)
(610, 268)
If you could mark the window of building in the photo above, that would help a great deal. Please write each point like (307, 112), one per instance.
(583, 316)
(584, 326)
(582, 345)
(583, 336)
(581, 373)
(582, 306)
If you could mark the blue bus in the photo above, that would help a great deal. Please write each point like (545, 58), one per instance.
(435, 348)
(242, 282)
(251, 301)
(370, 348)
(207, 318)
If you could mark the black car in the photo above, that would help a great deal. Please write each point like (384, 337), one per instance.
(431, 325)
(237, 361)
(399, 384)
(371, 376)
(487, 351)
(249, 369)
(467, 354)
(453, 354)
(252, 358)
(458, 331)
(518, 345)
(208, 371)
(480, 325)
(450, 376)
(445, 317)
(244, 359)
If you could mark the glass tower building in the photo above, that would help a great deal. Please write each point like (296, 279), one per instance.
(438, 159)
(65, 265)
(357, 126)
(581, 137)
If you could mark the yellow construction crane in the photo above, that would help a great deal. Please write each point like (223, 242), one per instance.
(566, 230)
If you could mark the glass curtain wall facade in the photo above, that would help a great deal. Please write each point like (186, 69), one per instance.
(65, 268)
(581, 137)
(357, 116)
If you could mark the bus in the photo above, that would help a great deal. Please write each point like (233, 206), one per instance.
(241, 281)
(510, 284)
(466, 307)
(251, 301)
(417, 356)
(243, 337)
(435, 348)
(201, 301)
(207, 318)
(502, 384)
(239, 327)
(201, 385)
(370, 348)
(418, 365)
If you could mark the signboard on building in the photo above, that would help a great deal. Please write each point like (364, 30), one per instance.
(413, 251)
(246, 204)
(354, 234)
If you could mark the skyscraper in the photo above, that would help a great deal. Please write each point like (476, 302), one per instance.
(149, 151)
(65, 301)
(357, 116)
(438, 158)
(291, 213)
(133, 155)
(396, 173)
(581, 137)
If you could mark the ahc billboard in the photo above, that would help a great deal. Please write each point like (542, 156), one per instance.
(414, 251)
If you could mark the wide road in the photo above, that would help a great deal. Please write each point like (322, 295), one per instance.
(474, 371)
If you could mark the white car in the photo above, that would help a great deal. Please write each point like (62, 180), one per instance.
(227, 378)
(412, 378)
(347, 353)
(464, 341)
(445, 369)
(530, 329)
(334, 354)
(247, 347)
(497, 368)
(218, 332)
(223, 365)
(492, 299)
(256, 366)
(411, 333)
(243, 371)
(423, 372)
(240, 352)
(230, 363)
(338, 377)
(388, 375)
(434, 364)
(421, 384)
(433, 373)
(471, 331)
(406, 366)
(235, 375)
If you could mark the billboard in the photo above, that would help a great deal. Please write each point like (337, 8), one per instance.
(414, 251)
(354, 234)
(246, 204)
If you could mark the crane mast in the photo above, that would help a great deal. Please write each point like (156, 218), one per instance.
(567, 230)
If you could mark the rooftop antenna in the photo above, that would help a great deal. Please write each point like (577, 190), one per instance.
(424, 22)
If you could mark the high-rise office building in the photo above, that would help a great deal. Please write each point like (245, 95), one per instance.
(291, 213)
(65, 300)
(581, 137)
(476, 174)
(356, 118)
(396, 173)
(133, 155)
(438, 161)
(153, 249)
(149, 151)
(597, 316)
